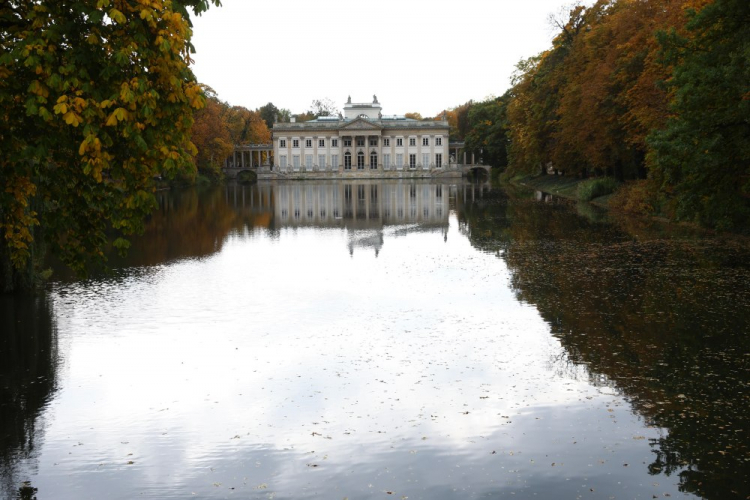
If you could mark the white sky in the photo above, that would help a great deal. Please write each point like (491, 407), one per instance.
(415, 55)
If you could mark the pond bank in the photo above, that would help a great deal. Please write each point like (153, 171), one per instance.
(567, 187)
(558, 185)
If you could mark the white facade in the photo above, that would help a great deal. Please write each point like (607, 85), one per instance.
(362, 142)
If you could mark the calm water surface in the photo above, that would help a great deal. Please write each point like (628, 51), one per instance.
(384, 340)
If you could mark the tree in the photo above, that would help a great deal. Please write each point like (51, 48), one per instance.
(269, 113)
(413, 116)
(246, 127)
(323, 107)
(701, 159)
(96, 100)
(210, 134)
(489, 131)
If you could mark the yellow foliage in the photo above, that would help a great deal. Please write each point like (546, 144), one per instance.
(117, 131)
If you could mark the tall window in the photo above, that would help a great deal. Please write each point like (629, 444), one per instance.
(399, 161)
(282, 143)
(399, 142)
(334, 143)
(425, 160)
(295, 162)
(412, 141)
(295, 143)
(360, 161)
(425, 141)
(308, 162)
(386, 141)
(387, 161)
(373, 142)
(321, 143)
(335, 161)
(373, 161)
(439, 160)
(308, 143)
(438, 141)
(282, 161)
(348, 161)
(412, 161)
(322, 161)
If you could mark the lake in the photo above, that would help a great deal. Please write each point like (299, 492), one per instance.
(384, 339)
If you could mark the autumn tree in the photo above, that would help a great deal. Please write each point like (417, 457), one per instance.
(246, 126)
(210, 134)
(97, 99)
(586, 105)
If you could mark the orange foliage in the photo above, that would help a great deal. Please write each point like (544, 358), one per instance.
(587, 104)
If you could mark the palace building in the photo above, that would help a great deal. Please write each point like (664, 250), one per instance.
(361, 143)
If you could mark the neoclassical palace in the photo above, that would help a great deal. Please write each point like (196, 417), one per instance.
(362, 143)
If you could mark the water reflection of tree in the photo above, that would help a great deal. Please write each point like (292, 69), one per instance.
(28, 379)
(188, 224)
(664, 320)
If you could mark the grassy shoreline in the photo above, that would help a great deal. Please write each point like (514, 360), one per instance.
(558, 185)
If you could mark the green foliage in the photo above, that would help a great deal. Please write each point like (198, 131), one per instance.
(96, 100)
(594, 188)
(488, 132)
(701, 159)
(269, 113)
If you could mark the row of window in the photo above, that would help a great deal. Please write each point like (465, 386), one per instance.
(412, 158)
(361, 142)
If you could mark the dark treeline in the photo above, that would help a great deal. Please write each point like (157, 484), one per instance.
(653, 93)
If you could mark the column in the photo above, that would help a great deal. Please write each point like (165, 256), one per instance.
(419, 150)
(329, 139)
(472, 158)
(315, 150)
(432, 151)
(380, 159)
(367, 163)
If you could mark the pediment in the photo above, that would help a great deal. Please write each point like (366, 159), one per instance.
(361, 124)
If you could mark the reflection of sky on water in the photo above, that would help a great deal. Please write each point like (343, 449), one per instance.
(286, 367)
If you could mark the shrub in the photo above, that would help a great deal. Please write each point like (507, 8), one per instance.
(594, 188)
(636, 197)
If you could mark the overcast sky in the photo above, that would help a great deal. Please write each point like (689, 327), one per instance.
(415, 55)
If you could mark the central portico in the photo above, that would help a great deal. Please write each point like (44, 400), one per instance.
(362, 143)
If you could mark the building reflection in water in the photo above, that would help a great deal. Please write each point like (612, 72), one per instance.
(367, 209)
